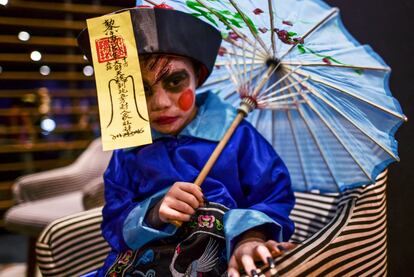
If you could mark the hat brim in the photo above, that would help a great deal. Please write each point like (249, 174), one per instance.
(165, 31)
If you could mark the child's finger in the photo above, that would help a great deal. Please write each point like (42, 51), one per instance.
(168, 214)
(249, 265)
(194, 190)
(182, 207)
(262, 252)
(288, 245)
(232, 269)
(273, 246)
(188, 198)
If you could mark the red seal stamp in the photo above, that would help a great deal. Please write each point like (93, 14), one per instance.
(110, 48)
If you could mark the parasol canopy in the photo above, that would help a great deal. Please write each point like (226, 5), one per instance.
(322, 99)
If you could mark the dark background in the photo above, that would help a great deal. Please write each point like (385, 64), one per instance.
(388, 27)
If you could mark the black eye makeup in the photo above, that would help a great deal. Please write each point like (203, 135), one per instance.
(176, 81)
(147, 89)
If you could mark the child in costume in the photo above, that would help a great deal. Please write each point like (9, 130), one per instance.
(240, 213)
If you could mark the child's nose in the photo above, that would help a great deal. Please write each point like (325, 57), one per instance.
(161, 100)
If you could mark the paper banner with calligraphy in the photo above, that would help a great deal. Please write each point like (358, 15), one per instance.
(121, 97)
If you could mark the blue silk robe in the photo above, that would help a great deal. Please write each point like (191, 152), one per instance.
(249, 178)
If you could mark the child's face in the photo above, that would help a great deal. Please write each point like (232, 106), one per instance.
(169, 84)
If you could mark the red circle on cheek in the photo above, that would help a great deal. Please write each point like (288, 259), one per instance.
(186, 100)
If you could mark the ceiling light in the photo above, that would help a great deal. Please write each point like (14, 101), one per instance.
(44, 70)
(88, 70)
(4, 2)
(48, 125)
(36, 56)
(23, 36)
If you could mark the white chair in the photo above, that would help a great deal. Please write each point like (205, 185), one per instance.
(46, 196)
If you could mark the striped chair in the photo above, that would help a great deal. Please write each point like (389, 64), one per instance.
(336, 235)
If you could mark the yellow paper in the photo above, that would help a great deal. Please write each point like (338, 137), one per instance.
(121, 97)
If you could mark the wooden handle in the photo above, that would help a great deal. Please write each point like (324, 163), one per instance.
(177, 223)
(219, 148)
(215, 155)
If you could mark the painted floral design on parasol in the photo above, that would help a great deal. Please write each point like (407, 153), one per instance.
(318, 96)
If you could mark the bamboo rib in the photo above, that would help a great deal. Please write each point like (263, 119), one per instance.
(235, 43)
(277, 98)
(314, 28)
(315, 139)
(241, 35)
(229, 95)
(272, 27)
(257, 59)
(256, 62)
(331, 129)
(282, 105)
(317, 143)
(215, 81)
(265, 78)
(244, 63)
(258, 38)
(297, 63)
(326, 83)
(295, 140)
(215, 155)
(269, 97)
(233, 76)
(327, 102)
(281, 79)
(238, 74)
(250, 73)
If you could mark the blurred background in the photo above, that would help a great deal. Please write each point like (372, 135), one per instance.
(49, 113)
(48, 106)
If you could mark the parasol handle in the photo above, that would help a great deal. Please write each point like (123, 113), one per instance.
(215, 155)
(219, 148)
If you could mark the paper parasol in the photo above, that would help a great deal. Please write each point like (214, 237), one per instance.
(318, 96)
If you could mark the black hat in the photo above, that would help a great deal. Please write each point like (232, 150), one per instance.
(167, 31)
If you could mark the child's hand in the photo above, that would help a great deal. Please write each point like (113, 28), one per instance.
(250, 250)
(180, 202)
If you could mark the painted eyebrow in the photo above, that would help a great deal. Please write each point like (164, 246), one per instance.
(165, 69)
(177, 73)
(153, 63)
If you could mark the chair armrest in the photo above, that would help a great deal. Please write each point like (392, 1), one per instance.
(73, 245)
(50, 183)
(93, 194)
(89, 165)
